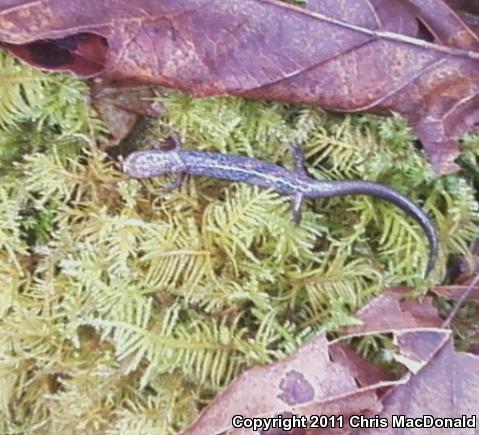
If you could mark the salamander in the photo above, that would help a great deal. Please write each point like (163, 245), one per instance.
(298, 184)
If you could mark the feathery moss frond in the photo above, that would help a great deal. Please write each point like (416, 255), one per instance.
(167, 408)
(233, 224)
(20, 90)
(202, 350)
(48, 100)
(337, 279)
(175, 257)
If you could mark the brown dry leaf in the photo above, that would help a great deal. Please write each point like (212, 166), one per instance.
(417, 348)
(461, 277)
(455, 291)
(408, 321)
(364, 372)
(465, 5)
(389, 312)
(415, 57)
(446, 386)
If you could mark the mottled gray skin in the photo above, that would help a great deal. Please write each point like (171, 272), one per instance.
(155, 162)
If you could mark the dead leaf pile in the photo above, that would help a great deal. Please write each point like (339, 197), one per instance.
(416, 57)
(328, 378)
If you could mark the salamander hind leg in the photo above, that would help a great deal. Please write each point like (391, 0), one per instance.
(173, 144)
(299, 160)
(176, 183)
(300, 170)
(297, 205)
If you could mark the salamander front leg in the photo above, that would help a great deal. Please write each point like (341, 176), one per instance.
(299, 160)
(176, 183)
(299, 168)
(297, 205)
(173, 144)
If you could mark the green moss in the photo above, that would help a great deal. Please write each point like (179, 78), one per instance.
(125, 307)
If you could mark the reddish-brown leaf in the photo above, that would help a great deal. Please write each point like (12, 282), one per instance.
(406, 320)
(466, 5)
(455, 291)
(364, 372)
(415, 57)
(419, 346)
(447, 386)
(390, 312)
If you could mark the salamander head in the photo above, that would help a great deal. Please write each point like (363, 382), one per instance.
(152, 163)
